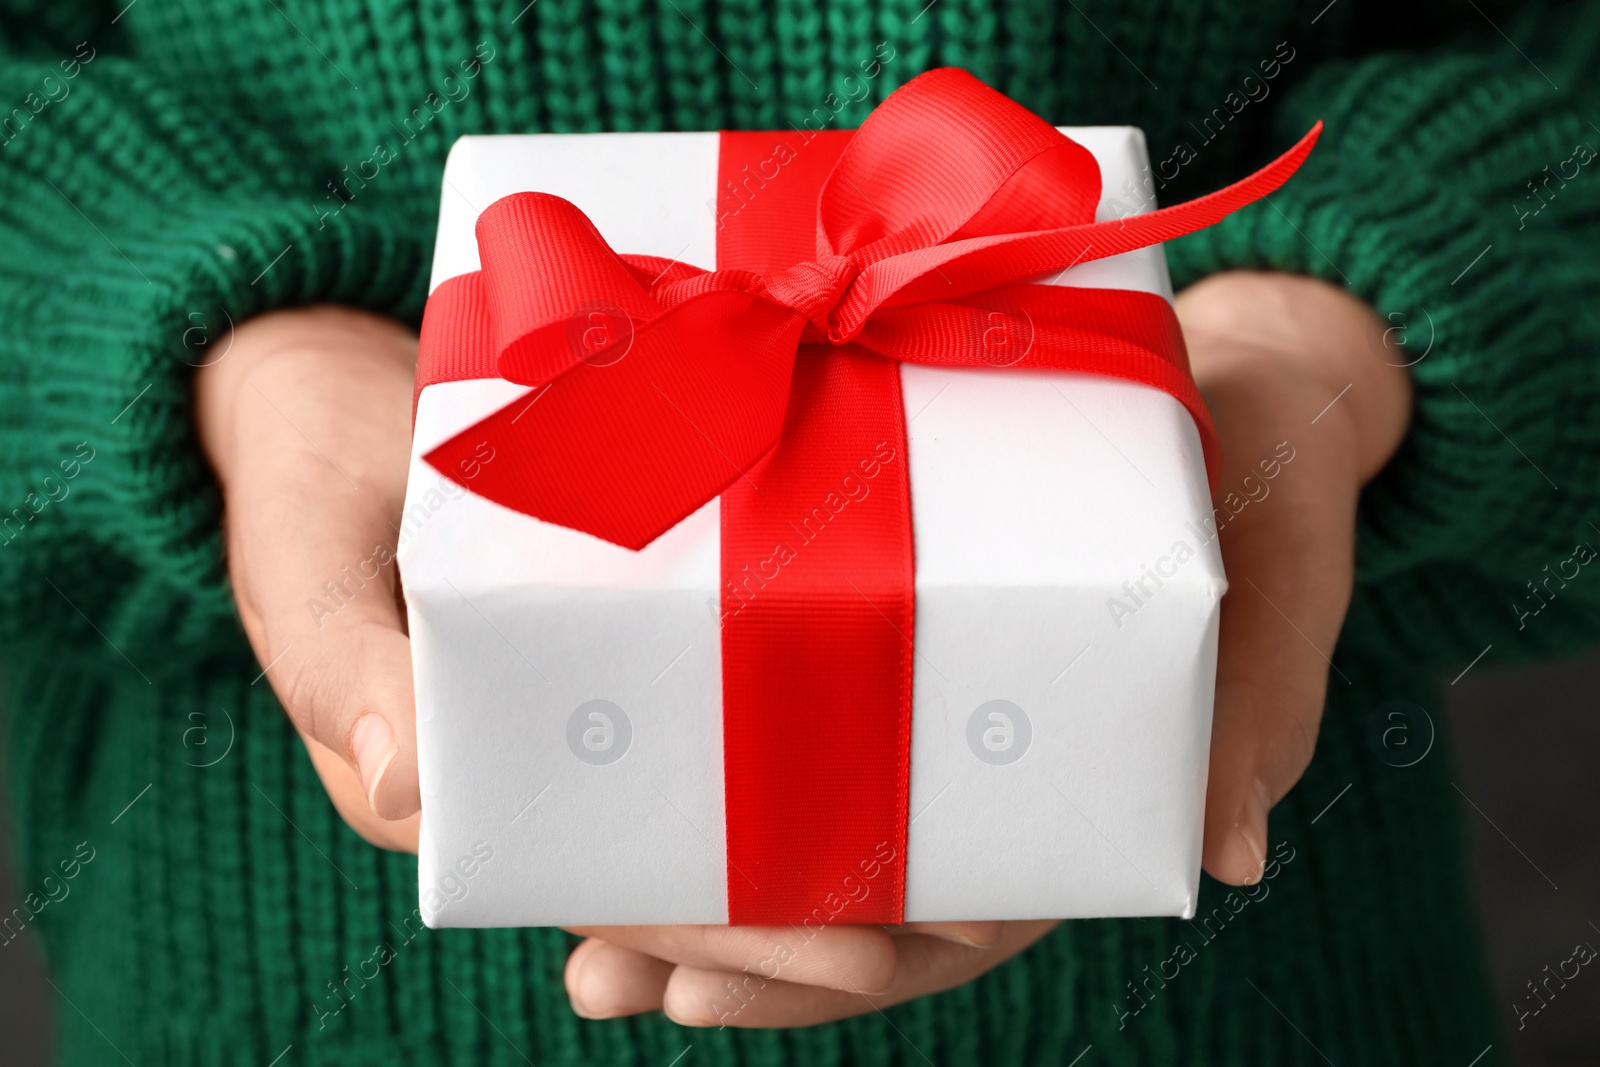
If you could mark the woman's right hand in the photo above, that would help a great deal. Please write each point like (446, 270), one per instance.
(306, 418)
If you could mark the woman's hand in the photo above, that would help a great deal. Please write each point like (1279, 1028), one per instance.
(1289, 366)
(306, 418)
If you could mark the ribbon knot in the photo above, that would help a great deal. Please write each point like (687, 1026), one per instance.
(936, 217)
(815, 289)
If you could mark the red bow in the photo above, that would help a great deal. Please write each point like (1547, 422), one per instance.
(663, 383)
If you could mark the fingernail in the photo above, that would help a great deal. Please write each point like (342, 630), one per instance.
(373, 745)
(1253, 828)
(583, 1004)
(963, 939)
(699, 1021)
(581, 1008)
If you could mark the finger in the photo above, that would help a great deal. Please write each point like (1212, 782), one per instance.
(841, 957)
(1289, 566)
(311, 506)
(701, 997)
(971, 934)
(698, 997)
(605, 981)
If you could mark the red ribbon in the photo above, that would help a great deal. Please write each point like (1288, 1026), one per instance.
(663, 385)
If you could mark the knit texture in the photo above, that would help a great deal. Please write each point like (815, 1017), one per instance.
(195, 162)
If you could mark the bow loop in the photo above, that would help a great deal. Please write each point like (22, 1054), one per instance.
(1000, 168)
(546, 266)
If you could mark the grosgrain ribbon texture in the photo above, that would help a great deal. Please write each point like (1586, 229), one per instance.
(943, 205)
(773, 381)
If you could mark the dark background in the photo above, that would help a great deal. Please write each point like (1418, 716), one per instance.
(1525, 744)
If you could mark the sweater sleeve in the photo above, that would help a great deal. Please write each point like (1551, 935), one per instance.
(136, 224)
(1458, 193)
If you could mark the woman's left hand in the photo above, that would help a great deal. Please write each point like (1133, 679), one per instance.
(1283, 361)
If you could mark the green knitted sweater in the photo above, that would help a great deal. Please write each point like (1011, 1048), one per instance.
(169, 166)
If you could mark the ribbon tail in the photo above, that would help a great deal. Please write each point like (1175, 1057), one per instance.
(974, 264)
(1140, 231)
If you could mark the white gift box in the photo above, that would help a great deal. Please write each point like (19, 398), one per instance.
(568, 691)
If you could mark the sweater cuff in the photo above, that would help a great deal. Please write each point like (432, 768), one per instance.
(124, 280)
(216, 267)
(1408, 203)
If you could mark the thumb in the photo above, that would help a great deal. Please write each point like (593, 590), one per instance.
(313, 476)
(321, 611)
(352, 693)
(1275, 356)
(328, 629)
(321, 608)
(1289, 569)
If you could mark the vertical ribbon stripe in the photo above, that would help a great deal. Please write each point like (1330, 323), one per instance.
(817, 595)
